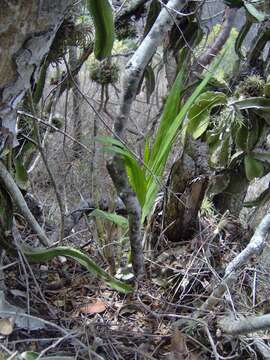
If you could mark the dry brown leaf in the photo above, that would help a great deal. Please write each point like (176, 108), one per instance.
(6, 326)
(194, 356)
(179, 350)
(96, 307)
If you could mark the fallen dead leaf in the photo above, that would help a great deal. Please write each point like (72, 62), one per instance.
(96, 307)
(6, 326)
(179, 350)
(194, 356)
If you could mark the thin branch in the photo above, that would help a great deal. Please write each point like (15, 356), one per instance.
(52, 179)
(208, 56)
(244, 326)
(43, 122)
(10, 185)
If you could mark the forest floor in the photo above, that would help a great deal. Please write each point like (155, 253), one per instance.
(66, 313)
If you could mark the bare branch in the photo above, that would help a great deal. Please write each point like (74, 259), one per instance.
(255, 247)
(208, 56)
(18, 199)
(244, 326)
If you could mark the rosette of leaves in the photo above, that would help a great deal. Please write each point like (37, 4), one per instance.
(125, 30)
(104, 73)
(69, 34)
(234, 133)
(81, 36)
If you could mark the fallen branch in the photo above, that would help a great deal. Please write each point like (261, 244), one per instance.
(116, 167)
(10, 185)
(255, 247)
(244, 326)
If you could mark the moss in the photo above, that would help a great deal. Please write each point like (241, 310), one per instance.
(252, 86)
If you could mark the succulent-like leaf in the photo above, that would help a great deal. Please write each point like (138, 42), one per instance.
(101, 12)
(262, 198)
(257, 103)
(262, 156)
(199, 113)
(220, 152)
(246, 139)
(234, 3)
(114, 218)
(153, 12)
(253, 168)
(240, 39)
(21, 176)
(44, 255)
(254, 12)
(267, 88)
(150, 82)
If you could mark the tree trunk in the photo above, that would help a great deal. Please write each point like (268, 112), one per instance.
(187, 185)
(26, 33)
(77, 99)
(232, 198)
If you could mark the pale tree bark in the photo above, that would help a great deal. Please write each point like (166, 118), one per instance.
(116, 167)
(246, 325)
(27, 28)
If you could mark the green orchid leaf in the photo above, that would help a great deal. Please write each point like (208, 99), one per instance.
(255, 13)
(114, 218)
(257, 103)
(44, 255)
(199, 113)
(21, 176)
(253, 167)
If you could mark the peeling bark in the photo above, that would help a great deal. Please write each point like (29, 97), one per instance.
(26, 33)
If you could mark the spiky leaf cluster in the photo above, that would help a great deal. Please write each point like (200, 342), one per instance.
(251, 86)
(104, 73)
(69, 34)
